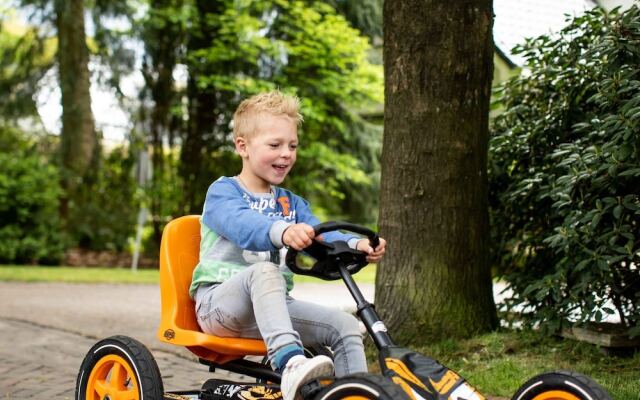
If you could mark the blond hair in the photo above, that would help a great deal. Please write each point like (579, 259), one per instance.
(247, 115)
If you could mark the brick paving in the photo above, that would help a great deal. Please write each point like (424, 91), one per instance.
(46, 330)
(39, 362)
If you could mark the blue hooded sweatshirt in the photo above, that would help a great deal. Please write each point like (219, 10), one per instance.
(239, 228)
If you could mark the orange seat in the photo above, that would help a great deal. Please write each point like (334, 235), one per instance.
(179, 254)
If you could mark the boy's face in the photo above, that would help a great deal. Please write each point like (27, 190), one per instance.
(267, 157)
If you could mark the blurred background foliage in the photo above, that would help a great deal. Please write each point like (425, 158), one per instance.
(198, 59)
(29, 197)
(564, 165)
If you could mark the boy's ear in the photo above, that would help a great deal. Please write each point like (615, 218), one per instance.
(241, 146)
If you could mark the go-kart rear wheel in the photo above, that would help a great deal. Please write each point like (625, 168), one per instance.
(361, 387)
(119, 368)
(561, 385)
(317, 350)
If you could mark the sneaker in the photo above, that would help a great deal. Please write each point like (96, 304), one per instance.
(300, 370)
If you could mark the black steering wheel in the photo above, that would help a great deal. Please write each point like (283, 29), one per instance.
(331, 256)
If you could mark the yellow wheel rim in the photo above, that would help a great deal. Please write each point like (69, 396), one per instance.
(112, 379)
(556, 395)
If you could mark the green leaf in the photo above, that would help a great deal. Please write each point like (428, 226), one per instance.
(617, 211)
(595, 220)
(634, 172)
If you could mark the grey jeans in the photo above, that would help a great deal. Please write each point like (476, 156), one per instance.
(253, 304)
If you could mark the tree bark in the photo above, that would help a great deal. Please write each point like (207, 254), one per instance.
(202, 121)
(78, 138)
(202, 111)
(435, 279)
(163, 37)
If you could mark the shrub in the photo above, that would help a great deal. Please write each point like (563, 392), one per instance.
(565, 174)
(30, 229)
(103, 217)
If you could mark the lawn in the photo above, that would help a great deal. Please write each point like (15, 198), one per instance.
(498, 363)
(76, 274)
(117, 275)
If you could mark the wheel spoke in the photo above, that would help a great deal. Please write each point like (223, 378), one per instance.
(101, 387)
(118, 376)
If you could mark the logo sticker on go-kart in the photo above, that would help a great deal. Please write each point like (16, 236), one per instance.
(248, 392)
(260, 393)
(227, 390)
(378, 327)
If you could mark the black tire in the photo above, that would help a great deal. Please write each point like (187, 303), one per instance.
(561, 385)
(365, 386)
(117, 355)
(318, 350)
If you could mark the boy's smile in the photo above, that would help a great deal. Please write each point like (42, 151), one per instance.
(267, 157)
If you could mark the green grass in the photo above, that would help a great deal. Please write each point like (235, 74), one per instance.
(366, 275)
(498, 363)
(119, 275)
(76, 274)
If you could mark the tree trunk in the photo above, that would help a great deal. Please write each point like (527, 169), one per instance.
(163, 38)
(162, 93)
(435, 279)
(78, 139)
(202, 112)
(201, 123)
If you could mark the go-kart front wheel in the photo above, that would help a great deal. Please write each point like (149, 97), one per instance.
(119, 368)
(561, 385)
(362, 387)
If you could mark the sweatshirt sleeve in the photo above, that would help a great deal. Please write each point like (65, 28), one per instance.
(228, 214)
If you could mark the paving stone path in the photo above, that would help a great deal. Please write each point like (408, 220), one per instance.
(38, 362)
(46, 330)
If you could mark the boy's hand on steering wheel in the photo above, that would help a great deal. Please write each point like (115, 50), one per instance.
(298, 236)
(373, 255)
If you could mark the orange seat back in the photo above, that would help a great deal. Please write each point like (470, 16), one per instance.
(179, 255)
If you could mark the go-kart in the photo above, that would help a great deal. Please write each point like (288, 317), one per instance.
(120, 367)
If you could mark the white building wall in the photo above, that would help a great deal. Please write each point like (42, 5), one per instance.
(611, 4)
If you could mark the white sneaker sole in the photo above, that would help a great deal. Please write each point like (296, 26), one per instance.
(311, 372)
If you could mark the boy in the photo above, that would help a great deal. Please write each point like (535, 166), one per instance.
(247, 221)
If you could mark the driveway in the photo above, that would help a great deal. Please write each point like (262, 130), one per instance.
(47, 328)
